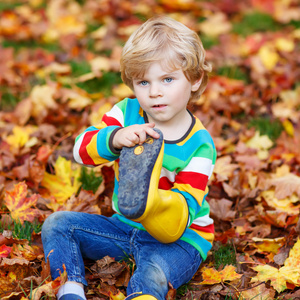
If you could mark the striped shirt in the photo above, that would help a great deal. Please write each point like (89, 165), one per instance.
(187, 166)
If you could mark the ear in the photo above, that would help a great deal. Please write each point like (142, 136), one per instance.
(196, 84)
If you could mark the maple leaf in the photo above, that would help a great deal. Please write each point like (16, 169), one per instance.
(20, 137)
(224, 168)
(42, 98)
(212, 276)
(262, 143)
(285, 186)
(215, 25)
(279, 278)
(5, 251)
(65, 182)
(19, 205)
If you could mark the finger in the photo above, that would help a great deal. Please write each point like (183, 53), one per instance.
(142, 137)
(153, 133)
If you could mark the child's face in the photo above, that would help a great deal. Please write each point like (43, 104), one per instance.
(164, 94)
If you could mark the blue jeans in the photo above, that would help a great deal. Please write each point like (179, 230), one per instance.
(74, 236)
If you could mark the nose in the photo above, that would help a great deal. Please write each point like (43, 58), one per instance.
(155, 90)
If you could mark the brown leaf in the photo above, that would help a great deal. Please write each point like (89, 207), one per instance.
(221, 209)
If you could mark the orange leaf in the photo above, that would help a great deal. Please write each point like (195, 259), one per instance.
(19, 205)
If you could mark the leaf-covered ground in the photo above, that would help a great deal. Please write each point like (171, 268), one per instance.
(59, 72)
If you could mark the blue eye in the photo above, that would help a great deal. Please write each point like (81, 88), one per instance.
(168, 80)
(143, 83)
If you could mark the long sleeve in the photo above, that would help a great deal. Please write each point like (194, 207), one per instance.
(94, 146)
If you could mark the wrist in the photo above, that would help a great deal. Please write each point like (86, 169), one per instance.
(114, 147)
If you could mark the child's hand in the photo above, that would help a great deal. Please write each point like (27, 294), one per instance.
(133, 135)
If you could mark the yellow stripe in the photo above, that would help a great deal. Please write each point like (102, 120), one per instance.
(196, 193)
(101, 125)
(141, 112)
(91, 149)
(206, 235)
(198, 126)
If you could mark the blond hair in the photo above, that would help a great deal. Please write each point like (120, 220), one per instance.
(162, 39)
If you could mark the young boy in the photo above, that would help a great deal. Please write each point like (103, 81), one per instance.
(163, 159)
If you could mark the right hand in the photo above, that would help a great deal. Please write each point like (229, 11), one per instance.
(133, 135)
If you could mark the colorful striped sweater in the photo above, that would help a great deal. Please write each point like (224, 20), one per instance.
(187, 165)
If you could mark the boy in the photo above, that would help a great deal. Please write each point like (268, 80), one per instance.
(163, 159)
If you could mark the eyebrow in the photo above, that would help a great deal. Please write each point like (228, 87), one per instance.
(175, 72)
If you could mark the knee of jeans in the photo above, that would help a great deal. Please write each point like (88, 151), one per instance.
(155, 277)
(158, 276)
(53, 223)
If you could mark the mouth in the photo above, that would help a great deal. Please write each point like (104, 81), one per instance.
(159, 105)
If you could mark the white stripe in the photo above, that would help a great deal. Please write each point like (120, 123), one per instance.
(117, 114)
(166, 173)
(76, 150)
(199, 165)
(203, 221)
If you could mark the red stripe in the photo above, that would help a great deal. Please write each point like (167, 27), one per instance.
(196, 180)
(109, 121)
(209, 228)
(86, 159)
(165, 183)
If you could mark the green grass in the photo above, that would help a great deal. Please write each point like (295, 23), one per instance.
(209, 41)
(22, 231)
(8, 101)
(255, 22)
(29, 44)
(5, 5)
(266, 126)
(90, 181)
(224, 255)
(233, 72)
(103, 84)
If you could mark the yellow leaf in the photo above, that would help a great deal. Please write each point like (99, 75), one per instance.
(279, 277)
(266, 273)
(268, 56)
(288, 127)
(65, 182)
(122, 91)
(215, 25)
(101, 63)
(287, 204)
(259, 142)
(212, 276)
(42, 99)
(284, 44)
(268, 245)
(19, 137)
(77, 101)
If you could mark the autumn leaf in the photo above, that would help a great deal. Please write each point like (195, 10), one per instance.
(65, 182)
(279, 278)
(212, 276)
(19, 205)
(20, 137)
(42, 98)
(4, 251)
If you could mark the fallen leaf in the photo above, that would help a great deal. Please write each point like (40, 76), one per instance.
(19, 205)
(65, 182)
(5, 251)
(212, 276)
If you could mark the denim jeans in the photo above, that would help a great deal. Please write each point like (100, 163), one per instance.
(73, 236)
